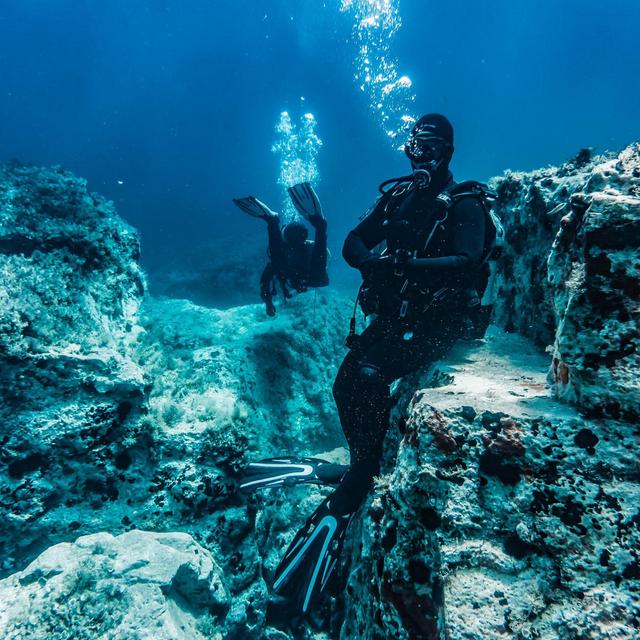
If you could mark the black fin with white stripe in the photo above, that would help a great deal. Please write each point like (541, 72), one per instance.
(305, 569)
(287, 471)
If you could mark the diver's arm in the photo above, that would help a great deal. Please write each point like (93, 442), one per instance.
(318, 268)
(468, 243)
(367, 235)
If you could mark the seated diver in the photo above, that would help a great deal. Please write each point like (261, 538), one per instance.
(294, 261)
(420, 291)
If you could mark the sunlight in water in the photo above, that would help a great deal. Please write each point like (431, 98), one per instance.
(297, 147)
(389, 94)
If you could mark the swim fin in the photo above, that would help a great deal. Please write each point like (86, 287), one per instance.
(305, 569)
(254, 207)
(288, 471)
(306, 201)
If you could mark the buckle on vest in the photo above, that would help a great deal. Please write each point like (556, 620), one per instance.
(403, 308)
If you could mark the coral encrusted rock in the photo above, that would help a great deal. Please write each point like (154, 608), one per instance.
(505, 515)
(160, 586)
(70, 394)
(570, 275)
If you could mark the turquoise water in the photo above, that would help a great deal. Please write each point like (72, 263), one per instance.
(170, 108)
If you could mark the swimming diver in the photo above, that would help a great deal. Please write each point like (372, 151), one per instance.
(294, 261)
(420, 291)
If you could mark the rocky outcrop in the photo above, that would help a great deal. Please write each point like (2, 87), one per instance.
(121, 414)
(139, 584)
(261, 383)
(504, 515)
(71, 395)
(570, 275)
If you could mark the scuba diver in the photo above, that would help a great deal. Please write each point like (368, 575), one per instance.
(294, 261)
(423, 252)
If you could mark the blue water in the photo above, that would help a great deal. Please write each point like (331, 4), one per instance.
(168, 107)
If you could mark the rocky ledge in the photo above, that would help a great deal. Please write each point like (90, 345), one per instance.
(504, 514)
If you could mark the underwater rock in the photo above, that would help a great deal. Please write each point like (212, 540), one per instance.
(222, 274)
(120, 414)
(71, 283)
(239, 375)
(502, 513)
(570, 275)
(136, 585)
(71, 395)
(514, 522)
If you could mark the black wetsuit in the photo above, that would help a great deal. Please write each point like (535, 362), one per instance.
(409, 330)
(298, 266)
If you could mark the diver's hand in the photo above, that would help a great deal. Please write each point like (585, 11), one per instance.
(254, 207)
(401, 261)
(307, 203)
(271, 309)
(376, 267)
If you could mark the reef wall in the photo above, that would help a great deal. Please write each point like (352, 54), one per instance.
(508, 506)
(570, 275)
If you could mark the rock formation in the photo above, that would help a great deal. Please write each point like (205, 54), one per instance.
(121, 413)
(570, 275)
(505, 514)
(136, 585)
(508, 506)
(71, 394)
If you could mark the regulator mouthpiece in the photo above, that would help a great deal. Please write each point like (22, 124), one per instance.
(421, 178)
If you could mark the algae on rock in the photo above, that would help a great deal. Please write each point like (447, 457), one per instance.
(71, 395)
(570, 275)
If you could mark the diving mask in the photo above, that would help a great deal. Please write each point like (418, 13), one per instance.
(424, 148)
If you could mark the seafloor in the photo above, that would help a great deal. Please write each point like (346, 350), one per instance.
(509, 506)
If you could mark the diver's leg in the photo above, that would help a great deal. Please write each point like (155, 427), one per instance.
(361, 391)
(266, 288)
(277, 246)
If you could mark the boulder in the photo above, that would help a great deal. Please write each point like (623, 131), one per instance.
(140, 584)
(504, 514)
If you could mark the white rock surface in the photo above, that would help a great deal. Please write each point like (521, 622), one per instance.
(505, 513)
(136, 586)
